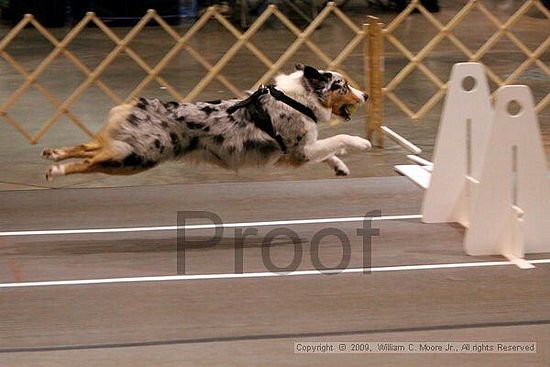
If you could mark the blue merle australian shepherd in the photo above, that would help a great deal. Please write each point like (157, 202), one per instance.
(275, 125)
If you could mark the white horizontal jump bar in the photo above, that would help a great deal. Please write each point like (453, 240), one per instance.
(419, 160)
(206, 226)
(167, 278)
(401, 140)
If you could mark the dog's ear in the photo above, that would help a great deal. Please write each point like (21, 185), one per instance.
(312, 73)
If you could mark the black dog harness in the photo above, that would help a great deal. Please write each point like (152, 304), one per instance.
(261, 118)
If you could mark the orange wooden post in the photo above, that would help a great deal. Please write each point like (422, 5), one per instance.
(374, 63)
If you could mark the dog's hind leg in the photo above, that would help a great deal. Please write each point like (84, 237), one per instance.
(85, 166)
(337, 165)
(101, 163)
(78, 151)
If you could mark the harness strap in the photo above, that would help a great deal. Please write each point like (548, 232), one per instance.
(280, 96)
(261, 118)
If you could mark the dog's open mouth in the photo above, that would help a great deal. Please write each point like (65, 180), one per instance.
(346, 110)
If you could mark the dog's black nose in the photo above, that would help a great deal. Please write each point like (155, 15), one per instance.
(365, 96)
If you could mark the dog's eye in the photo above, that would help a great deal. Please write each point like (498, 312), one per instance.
(335, 86)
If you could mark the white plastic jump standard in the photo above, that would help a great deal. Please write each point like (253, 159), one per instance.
(489, 171)
(511, 211)
(466, 120)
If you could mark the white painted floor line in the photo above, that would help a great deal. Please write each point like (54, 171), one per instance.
(167, 278)
(540, 261)
(204, 226)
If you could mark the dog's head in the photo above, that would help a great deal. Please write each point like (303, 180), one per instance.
(333, 91)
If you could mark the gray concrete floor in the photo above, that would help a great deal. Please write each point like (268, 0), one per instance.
(279, 352)
(23, 169)
(251, 321)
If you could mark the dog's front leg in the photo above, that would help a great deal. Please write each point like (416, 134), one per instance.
(321, 150)
(337, 165)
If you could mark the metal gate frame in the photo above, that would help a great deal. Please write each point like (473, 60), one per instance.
(378, 35)
(372, 36)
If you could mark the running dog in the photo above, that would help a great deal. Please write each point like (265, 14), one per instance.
(275, 125)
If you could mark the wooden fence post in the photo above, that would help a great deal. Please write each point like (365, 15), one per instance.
(374, 63)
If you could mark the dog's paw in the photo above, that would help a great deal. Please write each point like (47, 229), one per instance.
(344, 171)
(50, 154)
(341, 169)
(360, 143)
(55, 170)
